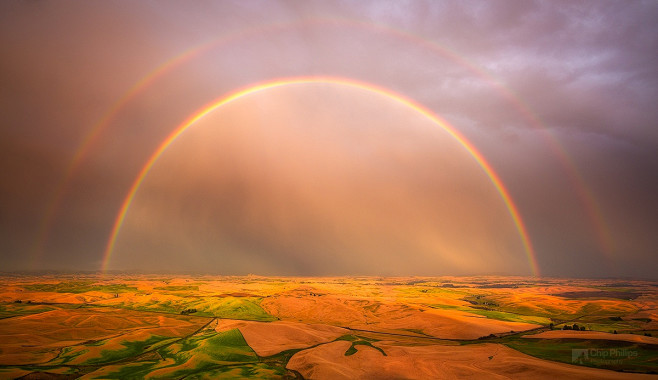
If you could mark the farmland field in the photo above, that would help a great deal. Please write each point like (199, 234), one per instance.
(195, 327)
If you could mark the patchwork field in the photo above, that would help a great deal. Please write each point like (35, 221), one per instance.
(196, 327)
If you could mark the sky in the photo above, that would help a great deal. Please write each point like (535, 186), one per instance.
(387, 137)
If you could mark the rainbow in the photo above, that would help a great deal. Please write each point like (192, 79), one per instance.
(200, 114)
(585, 195)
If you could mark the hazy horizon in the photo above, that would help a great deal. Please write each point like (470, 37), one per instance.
(173, 274)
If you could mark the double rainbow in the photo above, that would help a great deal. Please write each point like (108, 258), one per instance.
(91, 138)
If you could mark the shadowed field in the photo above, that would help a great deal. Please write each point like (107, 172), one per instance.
(326, 328)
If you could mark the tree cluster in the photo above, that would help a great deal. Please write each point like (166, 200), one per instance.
(574, 327)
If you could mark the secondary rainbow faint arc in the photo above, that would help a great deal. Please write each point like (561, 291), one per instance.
(99, 127)
(591, 207)
(491, 174)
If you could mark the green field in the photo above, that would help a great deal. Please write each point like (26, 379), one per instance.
(613, 355)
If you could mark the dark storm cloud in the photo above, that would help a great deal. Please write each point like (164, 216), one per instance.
(572, 62)
(586, 69)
